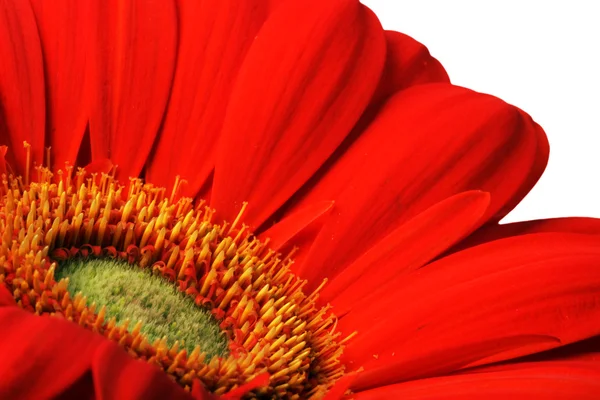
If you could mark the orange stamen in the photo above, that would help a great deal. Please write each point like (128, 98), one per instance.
(273, 327)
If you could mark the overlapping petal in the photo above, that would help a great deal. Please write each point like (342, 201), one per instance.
(542, 152)
(286, 230)
(428, 143)
(118, 376)
(492, 232)
(305, 82)
(22, 112)
(46, 358)
(588, 349)
(385, 187)
(3, 151)
(408, 63)
(214, 36)
(63, 29)
(493, 302)
(406, 249)
(132, 59)
(544, 381)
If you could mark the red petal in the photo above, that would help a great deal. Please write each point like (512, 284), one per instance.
(214, 36)
(98, 166)
(63, 29)
(239, 392)
(131, 69)
(340, 387)
(547, 380)
(428, 143)
(588, 349)
(3, 150)
(285, 230)
(297, 231)
(119, 376)
(535, 172)
(408, 63)
(6, 299)
(307, 78)
(21, 84)
(467, 309)
(407, 248)
(42, 357)
(47, 357)
(492, 232)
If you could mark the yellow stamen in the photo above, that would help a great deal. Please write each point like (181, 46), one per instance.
(271, 324)
(27, 147)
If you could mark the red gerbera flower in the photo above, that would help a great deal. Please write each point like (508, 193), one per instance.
(373, 187)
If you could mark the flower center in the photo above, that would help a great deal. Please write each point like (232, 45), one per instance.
(129, 293)
(79, 225)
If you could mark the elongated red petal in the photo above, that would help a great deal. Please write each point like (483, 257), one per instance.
(407, 248)
(297, 231)
(118, 376)
(588, 349)
(63, 28)
(47, 358)
(239, 392)
(99, 166)
(340, 387)
(3, 150)
(408, 63)
(6, 299)
(494, 302)
(308, 76)
(214, 36)
(57, 353)
(542, 152)
(22, 109)
(131, 67)
(285, 230)
(550, 380)
(428, 143)
(492, 232)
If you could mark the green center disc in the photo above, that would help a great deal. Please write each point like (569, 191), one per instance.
(129, 292)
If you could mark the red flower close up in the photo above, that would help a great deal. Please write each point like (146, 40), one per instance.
(314, 183)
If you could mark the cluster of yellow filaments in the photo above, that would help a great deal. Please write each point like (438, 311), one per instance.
(271, 325)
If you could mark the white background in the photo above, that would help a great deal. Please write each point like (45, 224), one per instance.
(542, 56)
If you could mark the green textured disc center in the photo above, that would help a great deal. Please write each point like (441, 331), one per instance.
(129, 292)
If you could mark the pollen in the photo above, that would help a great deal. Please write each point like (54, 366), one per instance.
(51, 221)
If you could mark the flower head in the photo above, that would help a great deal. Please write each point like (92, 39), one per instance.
(272, 199)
